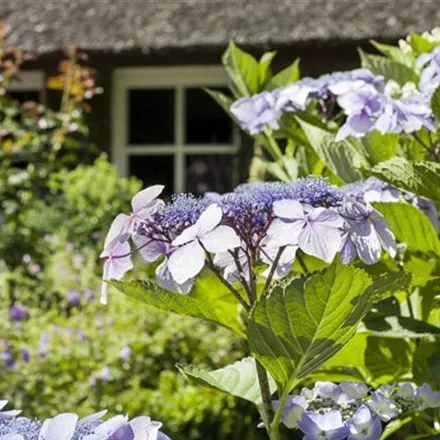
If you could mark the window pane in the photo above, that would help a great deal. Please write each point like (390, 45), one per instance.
(25, 95)
(153, 170)
(206, 122)
(151, 116)
(210, 172)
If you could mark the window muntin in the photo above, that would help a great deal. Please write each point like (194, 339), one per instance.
(199, 127)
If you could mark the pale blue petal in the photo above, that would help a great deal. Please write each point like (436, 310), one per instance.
(186, 262)
(321, 241)
(288, 210)
(220, 239)
(210, 219)
(151, 251)
(165, 280)
(282, 233)
(146, 197)
(61, 427)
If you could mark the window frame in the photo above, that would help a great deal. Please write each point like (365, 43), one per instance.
(177, 78)
(30, 80)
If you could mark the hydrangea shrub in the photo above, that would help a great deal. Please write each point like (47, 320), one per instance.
(331, 274)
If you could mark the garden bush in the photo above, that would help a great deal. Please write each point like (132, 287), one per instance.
(335, 278)
(59, 348)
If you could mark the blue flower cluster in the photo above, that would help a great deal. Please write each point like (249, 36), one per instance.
(261, 222)
(68, 426)
(351, 411)
(265, 108)
(429, 64)
(374, 190)
(363, 97)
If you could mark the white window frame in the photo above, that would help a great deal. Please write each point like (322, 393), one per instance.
(177, 78)
(29, 80)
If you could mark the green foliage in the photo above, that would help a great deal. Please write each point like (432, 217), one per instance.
(435, 103)
(395, 53)
(343, 158)
(239, 379)
(214, 305)
(303, 323)
(242, 69)
(388, 68)
(419, 177)
(410, 226)
(286, 76)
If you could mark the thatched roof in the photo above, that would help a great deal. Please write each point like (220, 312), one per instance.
(121, 25)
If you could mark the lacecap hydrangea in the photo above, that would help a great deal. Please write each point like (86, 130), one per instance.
(263, 223)
(68, 426)
(367, 102)
(350, 410)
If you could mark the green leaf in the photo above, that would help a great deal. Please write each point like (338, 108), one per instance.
(435, 103)
(286, 76)
(380, 147)
(395, 53)
(426, 364)
(410, 226)
(242, 69)
(343, 158)
(303, 323)
(387, 359)
(239, 379)
(387, 284)
(387, 326)
(211, 307)
(420, 177)
(420, 44)
(389, 69)
(264, 70)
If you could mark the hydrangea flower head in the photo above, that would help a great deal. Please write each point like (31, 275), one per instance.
(256, 112)
(327, 426)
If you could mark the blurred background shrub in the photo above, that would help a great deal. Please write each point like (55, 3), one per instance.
(60, 349)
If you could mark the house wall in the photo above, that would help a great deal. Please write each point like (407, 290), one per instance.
(315, 60)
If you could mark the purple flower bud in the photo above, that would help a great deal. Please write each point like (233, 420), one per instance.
(73, 297)
(88, 295)
(35, 268)
(104, 374)
(125, 352)
(24, 355)
(26, 258)
(17, 313)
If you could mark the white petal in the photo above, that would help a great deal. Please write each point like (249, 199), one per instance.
(61, 427)
(368, 247)
(189, 234)
(282, 233)
(94, 417)
(11, 437)
(144, 428)
(111, 425)
(210, 218)
(150, 250)
(186, 262)
(320, 240)
(117, 233)
(329, 216)
(165, 280)
(220, 239)
(3, 403)
(10, 413)
(288, 209)
(145, 197)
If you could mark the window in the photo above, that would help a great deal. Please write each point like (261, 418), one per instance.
(28, 87)
(167, 129)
